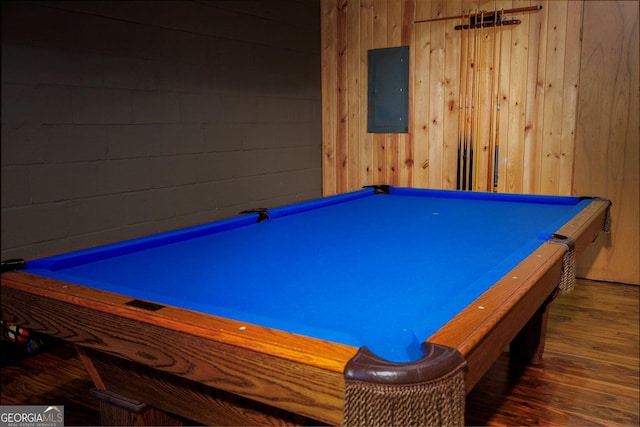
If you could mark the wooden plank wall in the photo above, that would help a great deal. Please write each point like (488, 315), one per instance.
(608, 135)
(537, 74)
(536, 80)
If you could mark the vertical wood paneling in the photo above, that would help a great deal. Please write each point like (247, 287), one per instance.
(419, 125)
(553, 102)
(503, 35)
(447, 159)
(535, 97)
(504, 96)
(394, 140)
(355, 108)
(339, 109)
(607, 154)
(515, 165)
(486, 100)
(342, 163)
(534, 127)
(367, 144)
(407, 35)
(329, 40)
(380, 40)
(436, 97)
(570, 96)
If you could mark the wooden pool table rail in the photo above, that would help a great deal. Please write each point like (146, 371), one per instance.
(488, 325)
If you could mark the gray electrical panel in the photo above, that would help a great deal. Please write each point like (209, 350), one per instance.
(388, 91)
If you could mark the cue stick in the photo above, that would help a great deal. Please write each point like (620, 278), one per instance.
(473, 47)
(497, 142)
(470, 186)
(472, 65)
(463, 127)
(467, 109)
(468, 75)
(479, 109)
(475, 96)
(460, 111)
(492, 110)
(458, 166)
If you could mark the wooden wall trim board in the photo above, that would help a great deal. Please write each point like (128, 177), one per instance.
(548, 115)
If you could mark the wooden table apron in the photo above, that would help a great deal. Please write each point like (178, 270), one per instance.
(299, 374)
(295, 373)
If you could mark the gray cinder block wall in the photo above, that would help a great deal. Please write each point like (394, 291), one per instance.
(121, 119)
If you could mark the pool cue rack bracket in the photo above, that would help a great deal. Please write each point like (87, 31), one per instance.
(486, 19)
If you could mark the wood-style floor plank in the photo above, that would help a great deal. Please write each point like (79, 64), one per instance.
(55, 377)
(589, 371)
(589, 374)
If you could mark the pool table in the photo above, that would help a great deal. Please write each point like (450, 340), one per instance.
(349, 309)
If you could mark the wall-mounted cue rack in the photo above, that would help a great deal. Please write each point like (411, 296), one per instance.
(478, 131)
(487, 16)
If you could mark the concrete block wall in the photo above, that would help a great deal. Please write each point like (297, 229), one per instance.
(127, 118)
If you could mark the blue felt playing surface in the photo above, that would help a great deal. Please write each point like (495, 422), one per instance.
(385, 271)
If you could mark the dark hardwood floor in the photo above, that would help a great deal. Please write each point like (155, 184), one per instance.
(589, 371)
(589, 374)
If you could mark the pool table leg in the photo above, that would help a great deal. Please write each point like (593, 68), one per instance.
(130, 393)
(528, 346)
(116, 410)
